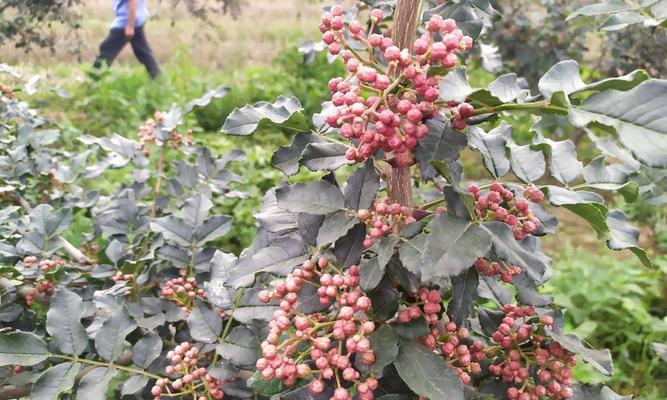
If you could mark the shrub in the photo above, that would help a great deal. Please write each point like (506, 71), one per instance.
(399, 279)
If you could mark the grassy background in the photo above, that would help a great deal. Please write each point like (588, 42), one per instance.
(614, 303)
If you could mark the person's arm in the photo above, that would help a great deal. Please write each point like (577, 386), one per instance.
(131, 18)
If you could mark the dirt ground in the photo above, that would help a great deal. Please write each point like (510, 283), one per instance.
(223, 42)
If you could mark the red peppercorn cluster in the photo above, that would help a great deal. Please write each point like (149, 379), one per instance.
(147, 134)
(183, 291)
(120, 276)
(537, 367)
(382, 218)
(44, 287)
(429, 305)
(321, 345)
(402, 96)
(445, 338)
(44, 265)
(7, 91)
(501, 204)
(500, 268)
(192, 379)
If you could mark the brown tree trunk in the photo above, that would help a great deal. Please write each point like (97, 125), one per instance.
(406, 18)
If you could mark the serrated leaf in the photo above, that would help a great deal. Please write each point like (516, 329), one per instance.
(595, 392)
(562, 77)
(362, 186)
(286, 158)
(22, 348)
(241, 347)
(606, 7)
(527, 164)
(324, 156)
(284, 112)
(110, 339)
(370, 274)
(492, 147)
(54, 381)
(599, 359)
(505, 88)
(452, 246)
(348, 248)
(624, 236)
(441, 144)
(563, 162)
(335, 226)
(318, 197)
(205, 323)
(454, 86)
(636, 115)
(280, 257)
(426, 373)
(384, 343)
(146, 350)
(94, 384)
(63, 322)
(534, 263)
(464, 294)
(133, 384)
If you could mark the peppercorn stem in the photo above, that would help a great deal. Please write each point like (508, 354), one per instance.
(538, 105)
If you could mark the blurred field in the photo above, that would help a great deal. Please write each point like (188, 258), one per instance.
(261, 30)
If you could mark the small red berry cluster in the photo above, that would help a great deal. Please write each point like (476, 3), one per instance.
(147, 134)
(536, 367)
(44, 265)
(501, 204)
(321, 345)
(500, 268)
(120, 276)
(445, 338)
(183, 291)
(42, 287)
(192, 378)
(429, 304)
(7, 91)
(401, 97)
(382, 219)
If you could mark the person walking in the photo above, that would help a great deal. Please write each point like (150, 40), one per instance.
(128, 26)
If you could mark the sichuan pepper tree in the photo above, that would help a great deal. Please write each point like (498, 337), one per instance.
(392, 276)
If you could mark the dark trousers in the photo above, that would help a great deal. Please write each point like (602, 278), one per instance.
(116, 40)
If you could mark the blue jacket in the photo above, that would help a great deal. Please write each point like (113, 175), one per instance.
(120, 8)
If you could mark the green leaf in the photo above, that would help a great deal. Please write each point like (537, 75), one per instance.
(370, 274)
(636, 115)
(452, 246)
(441, 144)
(464, 294)
(613, 177)
(505, 88)
(562, 77)
(205, 323)
(335, 226)
(624, 236)
(213, 228)
(595, 392)
(318, 197)
(217, 93)
(280, 257)
(527, 164)
(621, 21)
(623, 82)
(534, 263)
(110, 339)
(411, 330)
(286, 158)
(284, 112)
(384, 343)
(63, 322)
(94, 385)
(324, 156)
(22, 348)
(585, 204)
(426, 373)
(599, 359)
(492, 146)
(133, 384)
(146, 350)
(606, 7)
(563, 162)
(454, 86)
(241, 347)
(362, 186)
(54, 381)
